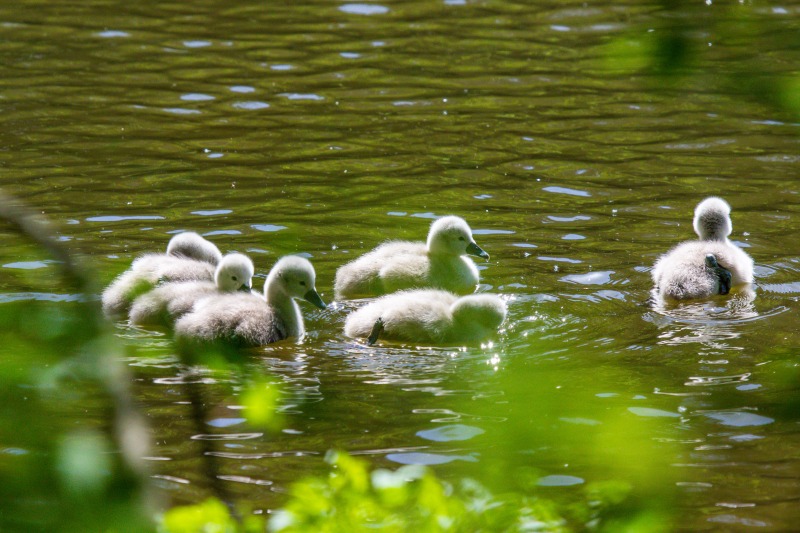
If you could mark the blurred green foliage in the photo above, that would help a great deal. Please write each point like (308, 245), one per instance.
(675, 47)
(260, 400)
(353, 498)
(209, 516)
(71, 443)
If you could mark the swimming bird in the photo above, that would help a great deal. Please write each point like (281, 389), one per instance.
(248, 319)
(428, 316)
(707, 266)
(440, 263)
(191, 245)
(168, 302)
(189, 257)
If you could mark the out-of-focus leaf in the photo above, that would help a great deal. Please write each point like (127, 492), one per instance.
(789, 95)
(210, 516)
(84, 463)
(410, 498)
(260, 399)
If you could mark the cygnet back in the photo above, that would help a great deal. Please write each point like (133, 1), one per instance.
(192, 246)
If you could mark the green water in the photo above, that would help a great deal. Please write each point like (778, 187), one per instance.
(326, 128)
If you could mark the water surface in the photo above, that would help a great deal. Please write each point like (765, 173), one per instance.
(325, 128)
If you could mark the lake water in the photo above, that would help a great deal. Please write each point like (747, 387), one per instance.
(324, 128)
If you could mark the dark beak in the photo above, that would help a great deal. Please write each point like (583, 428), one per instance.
(474, 249)
(723, 274)
(313, 297)
(245, 288)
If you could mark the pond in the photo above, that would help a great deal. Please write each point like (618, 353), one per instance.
(325, 128)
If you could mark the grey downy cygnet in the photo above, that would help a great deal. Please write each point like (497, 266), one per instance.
(189, 257)
(428, 316)
(168, 302)
(441, 263)
(707, 266)
(252, 320)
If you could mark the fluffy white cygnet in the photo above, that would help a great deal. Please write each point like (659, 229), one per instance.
(189, 257)
(440, 263)
(428, 316)
(166, 303)
(247, 319)
(704, 267)
(191, 245)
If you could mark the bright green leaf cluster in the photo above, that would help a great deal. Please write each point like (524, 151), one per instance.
(410, 498)
(260, 399)
(209, 516)
(351, 499)
(681, 43)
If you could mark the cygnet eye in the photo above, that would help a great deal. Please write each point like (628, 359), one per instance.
(234, 278)
(461, 238)
(303, 283)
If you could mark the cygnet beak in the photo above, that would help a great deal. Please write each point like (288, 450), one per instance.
(313, 297)
(724, 276)
(474, 249)
(245, 287)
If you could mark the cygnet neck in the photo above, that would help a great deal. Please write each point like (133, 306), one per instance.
(712, 220)
(439, 248)
(287, 308)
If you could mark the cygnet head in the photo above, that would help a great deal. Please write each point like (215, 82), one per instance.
(192, 246)
(486, 310)
(293, 276)
(234, 273)
(712, 219)
(452, 236)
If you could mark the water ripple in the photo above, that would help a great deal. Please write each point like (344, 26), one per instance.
(250, 106)
(739, 418)
(450, 433)
(364, 9)
(566, 190)
(227, 436)
(428, 459)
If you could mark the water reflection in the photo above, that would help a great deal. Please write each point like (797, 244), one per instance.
(556, 480)
(364, 9)
(429, 459)
(453, 432)
(591, 278)
(651, 412)
(739, 418)
(706, 315)
(411, 368)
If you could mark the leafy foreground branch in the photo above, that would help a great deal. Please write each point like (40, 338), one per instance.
(72, 439)
(352, 498)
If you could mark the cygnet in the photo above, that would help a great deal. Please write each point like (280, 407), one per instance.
(189, 257)
(428, 316)
(191, 245)
(249, 320)
(440, 263)
(168, 302)
(707, 266)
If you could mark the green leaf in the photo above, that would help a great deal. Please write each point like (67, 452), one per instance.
(84, 463)
(210, 516)
(260, 399)
(789, 95)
